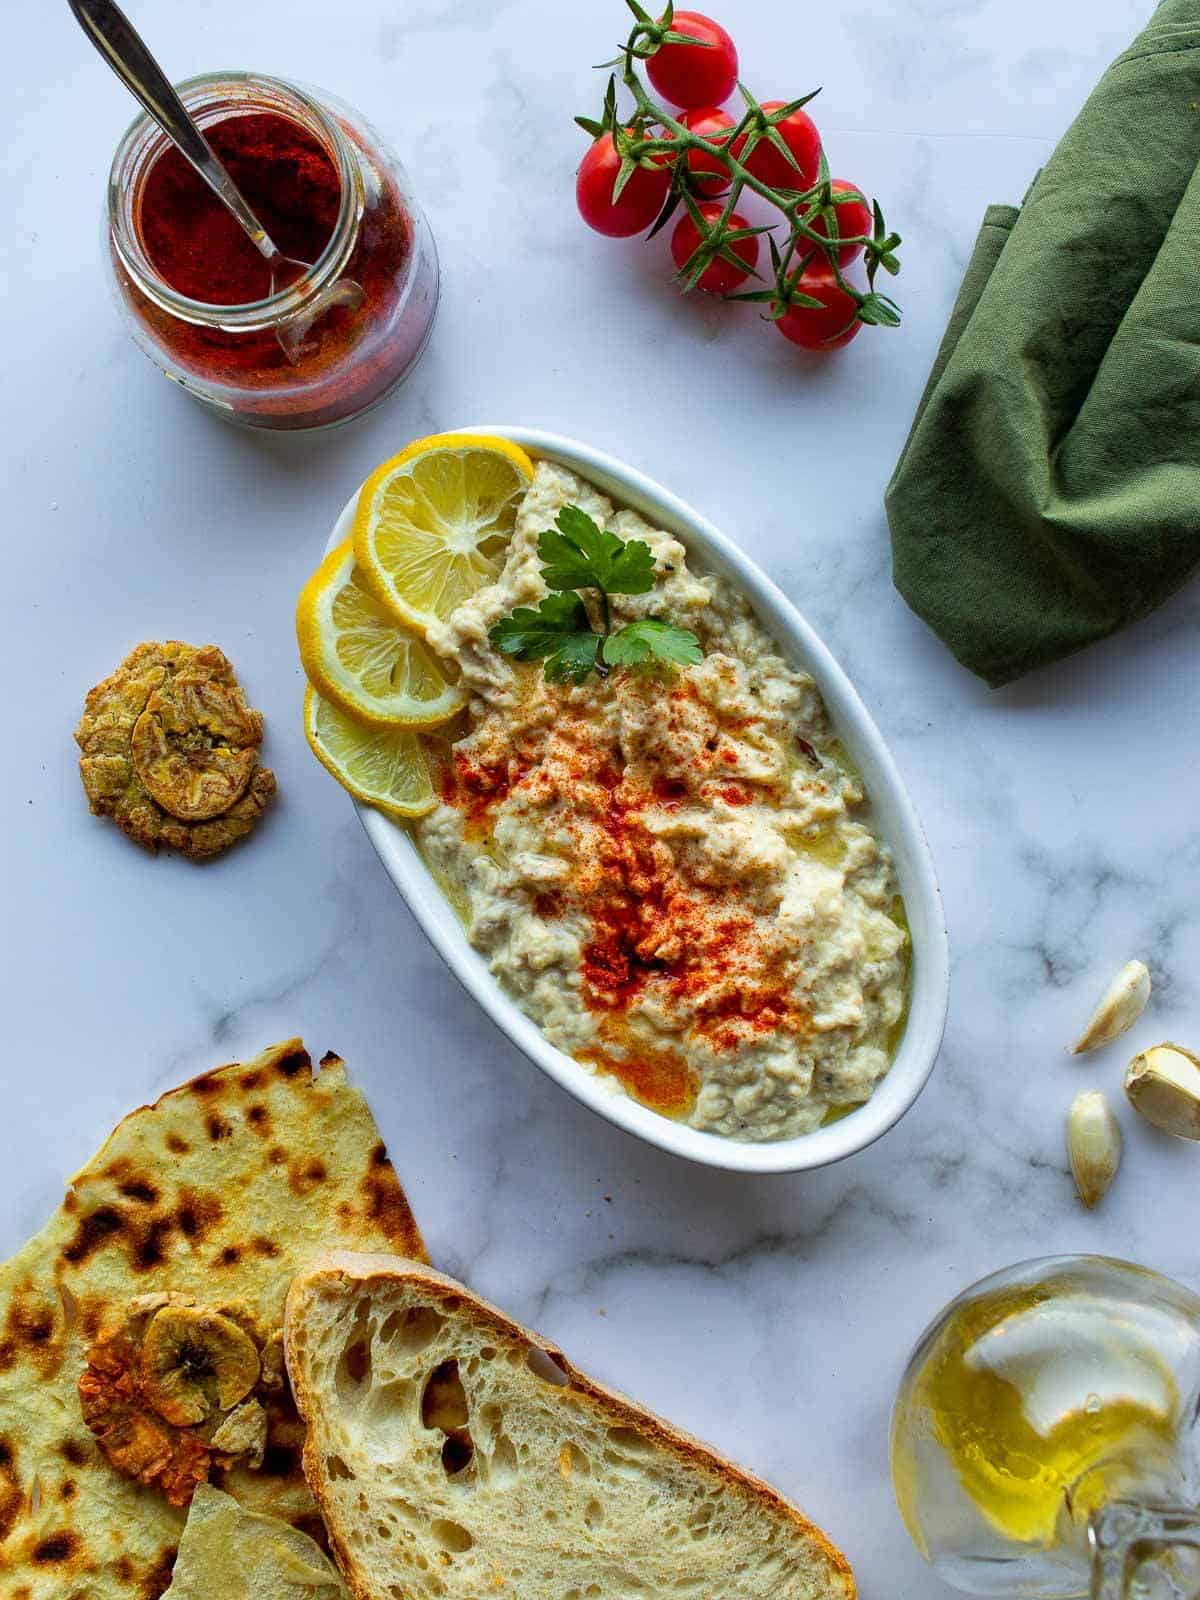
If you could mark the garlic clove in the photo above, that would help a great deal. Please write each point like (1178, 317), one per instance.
(1163, 1085)
(1123, 1003)
(1094, 1145)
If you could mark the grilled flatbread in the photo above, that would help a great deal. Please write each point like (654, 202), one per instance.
(220, 1191)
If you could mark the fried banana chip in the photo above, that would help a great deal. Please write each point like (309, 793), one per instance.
(170, 750)
(166, 1391)
(195, 746)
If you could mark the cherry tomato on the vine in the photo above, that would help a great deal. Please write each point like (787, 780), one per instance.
(849, 218)
(640, 200)
(710, 122)
(769, 164)
(719, 277)
(828, 326)
(695, 75)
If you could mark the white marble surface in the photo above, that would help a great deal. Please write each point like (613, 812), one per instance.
(771, 1316)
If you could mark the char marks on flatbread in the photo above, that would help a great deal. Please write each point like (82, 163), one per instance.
(221, 1190)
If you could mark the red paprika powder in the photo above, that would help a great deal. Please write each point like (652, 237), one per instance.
(288, 180)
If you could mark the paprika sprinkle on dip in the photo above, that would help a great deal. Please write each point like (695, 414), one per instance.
(307, 352)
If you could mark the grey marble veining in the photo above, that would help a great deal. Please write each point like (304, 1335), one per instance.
(770, 1315)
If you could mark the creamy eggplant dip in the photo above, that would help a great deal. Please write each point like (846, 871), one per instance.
(673, 873)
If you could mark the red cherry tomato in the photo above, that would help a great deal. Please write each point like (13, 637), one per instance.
(710, 123)
(719, 277)
(695, 75)
(770, 165)
(851, 217)
(641, 199)
(828, 326)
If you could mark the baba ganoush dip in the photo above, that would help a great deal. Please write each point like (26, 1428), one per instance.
(673, 873)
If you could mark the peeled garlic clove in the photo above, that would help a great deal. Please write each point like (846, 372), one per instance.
(1163, 1085)
(1123, 1003)
(1094, 1146)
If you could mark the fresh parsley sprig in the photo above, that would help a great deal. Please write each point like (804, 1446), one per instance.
(577, 554)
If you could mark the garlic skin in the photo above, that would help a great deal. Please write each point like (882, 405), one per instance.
(1163, 1085)
(1094, 1146)
(1123, 1003)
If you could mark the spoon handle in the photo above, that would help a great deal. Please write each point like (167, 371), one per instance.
(115, 37)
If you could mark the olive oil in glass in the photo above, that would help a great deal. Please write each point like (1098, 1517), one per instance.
(1046, 1441)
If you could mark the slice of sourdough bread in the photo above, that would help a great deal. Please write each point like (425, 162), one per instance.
(453, 1455)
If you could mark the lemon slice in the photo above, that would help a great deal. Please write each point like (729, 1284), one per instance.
(362, 659)
(433, 523)
(386, 767)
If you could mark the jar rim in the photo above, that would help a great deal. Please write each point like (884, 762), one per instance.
(144, 141)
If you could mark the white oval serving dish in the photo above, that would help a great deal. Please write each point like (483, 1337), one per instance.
(893, 814)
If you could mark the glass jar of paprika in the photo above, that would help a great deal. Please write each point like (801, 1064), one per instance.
(354, 314)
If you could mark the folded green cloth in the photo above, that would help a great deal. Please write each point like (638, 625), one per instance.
(1049, 492)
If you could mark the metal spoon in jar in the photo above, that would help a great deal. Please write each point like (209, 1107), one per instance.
(115, 37)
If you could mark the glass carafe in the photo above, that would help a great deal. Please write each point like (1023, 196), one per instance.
(1046, 1437)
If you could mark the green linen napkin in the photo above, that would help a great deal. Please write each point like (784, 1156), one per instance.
(1049, 492)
